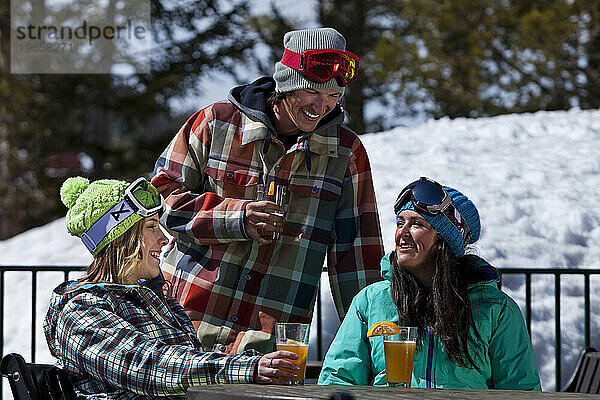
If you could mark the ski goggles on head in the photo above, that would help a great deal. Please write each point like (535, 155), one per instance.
(144, 197)
(430, 198)
(322, 65)
(140, 198)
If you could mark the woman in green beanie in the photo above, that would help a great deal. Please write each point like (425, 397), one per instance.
(114, 330)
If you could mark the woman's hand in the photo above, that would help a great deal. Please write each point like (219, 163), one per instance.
(270, 366)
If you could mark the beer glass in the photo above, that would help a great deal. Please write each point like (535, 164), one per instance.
(294, 337)
(277, 194)
(399, 356)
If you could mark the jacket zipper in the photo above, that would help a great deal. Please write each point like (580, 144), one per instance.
(429, 358)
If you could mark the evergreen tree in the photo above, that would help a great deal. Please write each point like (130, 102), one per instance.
(482, 57)
(121, 122)
(269, 30)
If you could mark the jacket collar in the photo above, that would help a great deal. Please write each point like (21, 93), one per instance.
(323, 140)
(252, 130)
(255, 124)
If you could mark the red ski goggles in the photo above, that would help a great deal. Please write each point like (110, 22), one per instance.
(322, 65)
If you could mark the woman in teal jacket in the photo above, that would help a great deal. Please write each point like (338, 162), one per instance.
(470, 334)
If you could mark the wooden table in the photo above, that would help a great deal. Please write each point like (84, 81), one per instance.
(273, 392)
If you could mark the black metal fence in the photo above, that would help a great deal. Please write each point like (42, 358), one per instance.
(557, 273)
(528, 273)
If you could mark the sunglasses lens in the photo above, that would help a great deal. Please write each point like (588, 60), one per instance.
(428, 193)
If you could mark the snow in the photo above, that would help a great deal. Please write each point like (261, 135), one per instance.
(535, 179)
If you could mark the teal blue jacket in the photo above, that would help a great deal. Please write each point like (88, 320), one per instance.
(505, 355)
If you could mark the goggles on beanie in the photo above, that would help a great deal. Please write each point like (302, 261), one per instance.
(322, 65)
(430, 198)
(139, 198)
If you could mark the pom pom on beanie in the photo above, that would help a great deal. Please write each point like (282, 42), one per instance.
(71, 189)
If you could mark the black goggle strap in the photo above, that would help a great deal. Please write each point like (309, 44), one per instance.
(115, 216)
(402, 199)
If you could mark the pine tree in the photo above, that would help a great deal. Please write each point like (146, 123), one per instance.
(483, 57)
(121, 122)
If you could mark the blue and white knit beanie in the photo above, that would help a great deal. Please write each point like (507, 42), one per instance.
(288, 79)
(446, 229)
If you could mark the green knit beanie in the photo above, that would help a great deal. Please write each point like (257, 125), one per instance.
(88, 202)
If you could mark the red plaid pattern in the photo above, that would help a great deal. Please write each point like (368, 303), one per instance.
(232, 288)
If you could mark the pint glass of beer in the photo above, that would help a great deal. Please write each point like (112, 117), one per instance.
(294, 337)
(399, 356)
(277, 194)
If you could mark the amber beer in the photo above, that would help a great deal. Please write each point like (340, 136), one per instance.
(302, 351)
(399, 358)
(294, 337)
(399, 350)
(276, 194)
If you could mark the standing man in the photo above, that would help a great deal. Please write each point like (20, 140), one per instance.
(234, 282)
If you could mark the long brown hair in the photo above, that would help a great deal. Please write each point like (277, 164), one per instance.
(116, 262)
(445, 307)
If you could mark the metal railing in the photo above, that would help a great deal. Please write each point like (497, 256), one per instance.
(526, 272)
(34, 270)
(557, 273)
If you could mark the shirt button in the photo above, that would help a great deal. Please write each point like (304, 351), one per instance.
(234, 318)
(315, 189)
(222, 347)
(277, 168)
(247, 277)
(229, 175)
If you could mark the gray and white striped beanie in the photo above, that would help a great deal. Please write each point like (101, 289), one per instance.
(288, 79)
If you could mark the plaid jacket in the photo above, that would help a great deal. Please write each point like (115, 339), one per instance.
(128, 342)
(232, 288)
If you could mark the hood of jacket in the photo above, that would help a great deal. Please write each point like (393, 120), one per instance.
(251, 99)
(70, 289)
(483, 272)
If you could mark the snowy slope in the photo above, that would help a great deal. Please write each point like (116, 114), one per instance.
(535, 179)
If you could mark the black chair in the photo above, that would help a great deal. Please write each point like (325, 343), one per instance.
(29, 381)
(586, 377)
(313, 369)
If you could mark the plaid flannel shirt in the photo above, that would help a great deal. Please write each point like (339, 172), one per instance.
(128, 342)
(232, 287)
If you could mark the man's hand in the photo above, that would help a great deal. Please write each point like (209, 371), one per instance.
(261, 216)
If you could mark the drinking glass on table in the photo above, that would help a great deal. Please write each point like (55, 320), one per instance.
(399, 352)
(294, 337)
